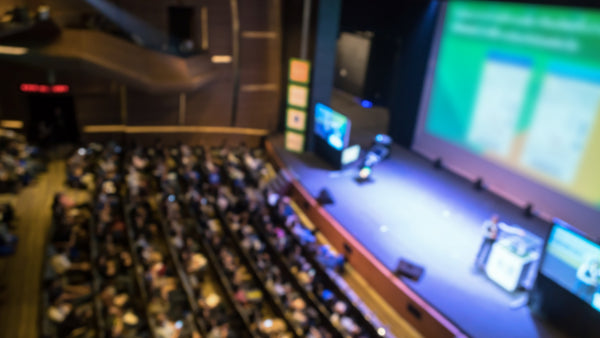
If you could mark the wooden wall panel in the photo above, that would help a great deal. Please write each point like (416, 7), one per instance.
(97, 109)
(258, 109)
(257, 61)
(255, 15)
(152, 110)
(153, 12)
(219, 27)
(149, 139)
(260, 64)
(97, 99)
(211, 106)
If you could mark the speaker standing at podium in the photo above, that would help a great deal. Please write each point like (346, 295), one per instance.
(490, 235)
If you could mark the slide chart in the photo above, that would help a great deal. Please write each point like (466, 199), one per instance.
(499, 103)
(562, 122)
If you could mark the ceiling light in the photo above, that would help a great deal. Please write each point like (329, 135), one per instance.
(221, 59)
(13, 50)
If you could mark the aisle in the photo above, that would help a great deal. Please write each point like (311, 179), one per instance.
(20, 274)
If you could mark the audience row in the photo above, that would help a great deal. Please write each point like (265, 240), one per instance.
(19, 162)
(189, 242)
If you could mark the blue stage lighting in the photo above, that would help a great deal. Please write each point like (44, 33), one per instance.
(366, 103)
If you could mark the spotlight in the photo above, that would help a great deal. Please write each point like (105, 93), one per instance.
(364, 173)
(379, 151)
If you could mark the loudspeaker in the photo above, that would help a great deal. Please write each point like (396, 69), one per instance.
(529, 211)
(362, 65)
(352, 61)
(479, 185)
(409, 269)
(324, 197)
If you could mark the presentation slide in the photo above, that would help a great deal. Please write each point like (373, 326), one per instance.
(519, 85)
(573, 262)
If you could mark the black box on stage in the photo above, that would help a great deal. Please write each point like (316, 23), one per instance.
(339, 159)
(409, 269)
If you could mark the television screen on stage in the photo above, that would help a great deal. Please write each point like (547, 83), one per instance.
(573, 261)
(512, 96)
(332, 126)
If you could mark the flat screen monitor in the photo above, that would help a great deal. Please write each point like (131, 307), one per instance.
(332, 126)
(573, 262)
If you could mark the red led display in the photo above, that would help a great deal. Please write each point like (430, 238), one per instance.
(44, 89)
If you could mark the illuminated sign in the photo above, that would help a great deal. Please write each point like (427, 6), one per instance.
(294, 141)
(297, 96)
(299, 71)
(297, 102)
(44, 89)
(296, 119)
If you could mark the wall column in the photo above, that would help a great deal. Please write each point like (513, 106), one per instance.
(323, 63)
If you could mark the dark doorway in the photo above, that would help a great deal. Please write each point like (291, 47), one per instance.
(52, 120)
(180, 22)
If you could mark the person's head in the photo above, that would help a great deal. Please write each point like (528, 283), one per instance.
(495, 218)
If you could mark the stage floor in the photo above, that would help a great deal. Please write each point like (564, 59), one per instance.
(431, 217)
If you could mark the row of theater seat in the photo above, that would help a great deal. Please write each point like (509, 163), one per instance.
(192, 242)
(20, 162)
(245, 275)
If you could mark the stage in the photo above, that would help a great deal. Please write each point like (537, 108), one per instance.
(431, 217)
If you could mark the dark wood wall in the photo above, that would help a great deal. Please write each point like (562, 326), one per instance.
(98, 100)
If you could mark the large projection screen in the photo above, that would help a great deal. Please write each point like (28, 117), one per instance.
(512, 96)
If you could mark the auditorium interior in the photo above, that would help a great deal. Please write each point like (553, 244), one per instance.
(299, 168)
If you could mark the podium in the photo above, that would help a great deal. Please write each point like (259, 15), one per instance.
(510, 261)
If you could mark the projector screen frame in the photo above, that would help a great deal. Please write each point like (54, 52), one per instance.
(507, 183)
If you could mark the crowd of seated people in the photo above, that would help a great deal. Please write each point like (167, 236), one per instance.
(8, 240)
(168, 307)
(184, 237)
(297, 246)
(243, 290)
(237, 199)
(68, 280)
(289, 238)
(296, 263)
(86, 162)
(186, 206)
(217, 316)
(122, 311)
(19, 162)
